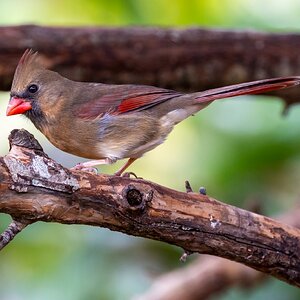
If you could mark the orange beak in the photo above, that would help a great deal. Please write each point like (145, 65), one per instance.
(17, 106)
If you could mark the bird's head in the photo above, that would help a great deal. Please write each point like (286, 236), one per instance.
(33, 87)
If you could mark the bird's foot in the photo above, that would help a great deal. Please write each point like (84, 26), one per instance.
(128, 175)
(82, 167)
(127, 164)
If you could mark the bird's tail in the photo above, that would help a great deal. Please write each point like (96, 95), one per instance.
(247, 88)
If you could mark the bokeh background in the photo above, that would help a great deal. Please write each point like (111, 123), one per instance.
(241, 151)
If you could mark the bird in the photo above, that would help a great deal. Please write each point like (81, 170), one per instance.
(110, 122)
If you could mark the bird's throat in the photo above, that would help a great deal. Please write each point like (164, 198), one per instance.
(37, 117)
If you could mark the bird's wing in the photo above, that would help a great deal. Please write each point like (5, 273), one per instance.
(124, 99)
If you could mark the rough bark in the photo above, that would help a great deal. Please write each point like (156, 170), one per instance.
(209, 276)
(35, 188)
(191, 59)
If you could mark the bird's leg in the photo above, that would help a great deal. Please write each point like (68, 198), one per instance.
(126, 165)
(89, 166)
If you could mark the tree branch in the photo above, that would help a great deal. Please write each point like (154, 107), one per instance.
(35, 188)
(192, 59)
(208, 276)
(12, 230)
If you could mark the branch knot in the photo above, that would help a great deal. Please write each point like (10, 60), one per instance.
(135, 198)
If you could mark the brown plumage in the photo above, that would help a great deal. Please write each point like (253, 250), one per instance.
(110, 122)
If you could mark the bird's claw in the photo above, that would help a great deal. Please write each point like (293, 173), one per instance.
(128, 174)
(82, 167)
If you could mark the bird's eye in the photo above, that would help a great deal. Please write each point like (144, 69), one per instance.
(33, 88)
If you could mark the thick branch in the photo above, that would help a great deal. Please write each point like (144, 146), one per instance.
(35, 188)
(184, 59)
(209, 275)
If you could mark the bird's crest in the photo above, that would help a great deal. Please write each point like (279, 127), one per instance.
(28, 56)
(26, 69)
(28, 61)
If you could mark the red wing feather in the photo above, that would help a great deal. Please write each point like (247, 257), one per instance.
(98, 107)
(144, 101)
(124, 101)
(137, 102)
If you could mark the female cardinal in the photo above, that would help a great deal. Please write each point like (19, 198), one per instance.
(110, 122)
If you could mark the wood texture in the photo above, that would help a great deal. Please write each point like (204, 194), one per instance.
(191, 59)
(35, 188)
(210, 276)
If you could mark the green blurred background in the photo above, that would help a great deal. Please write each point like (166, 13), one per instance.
(241, 151)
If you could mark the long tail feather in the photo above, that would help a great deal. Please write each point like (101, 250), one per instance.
(247, 88)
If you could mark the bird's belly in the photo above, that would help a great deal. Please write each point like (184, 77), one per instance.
(76, 141)
(139, 151)
(81, 149)
(115, 151)
(129, 136)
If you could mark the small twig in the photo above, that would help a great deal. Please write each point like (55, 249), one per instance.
(12, 230)
(188, 187)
